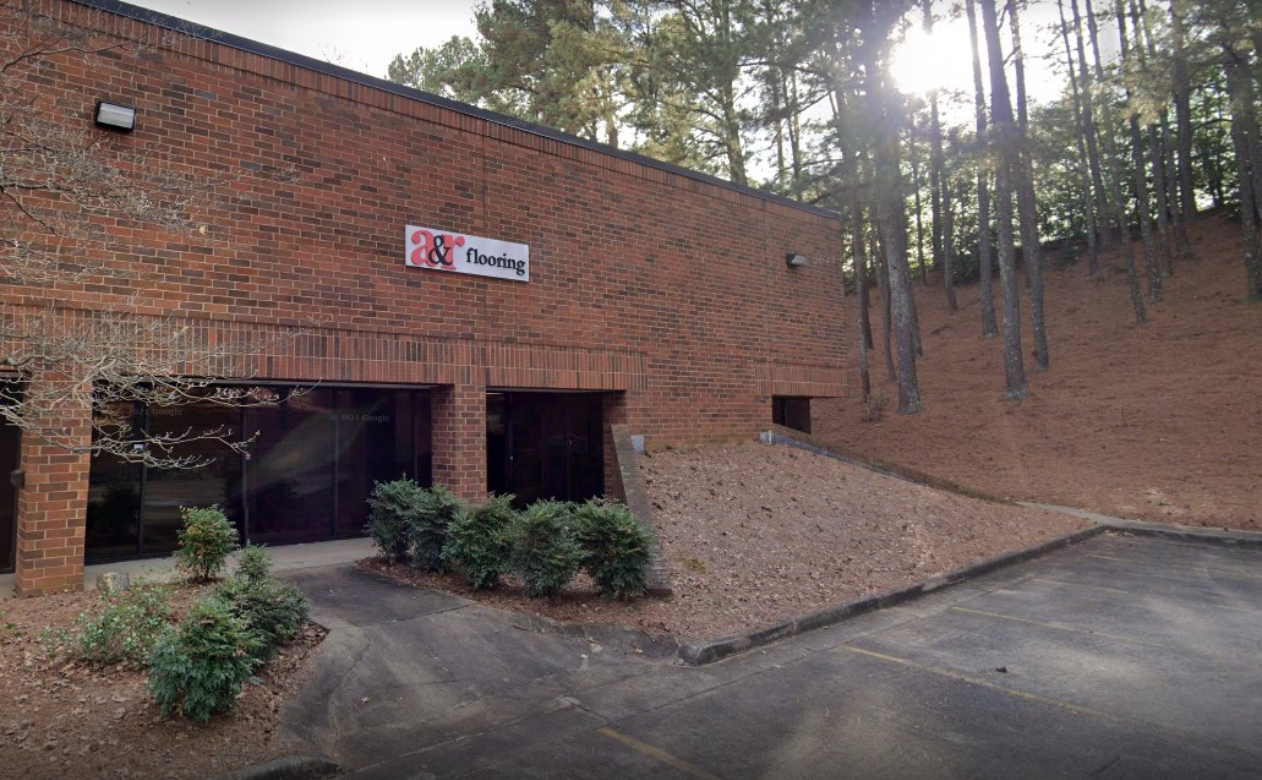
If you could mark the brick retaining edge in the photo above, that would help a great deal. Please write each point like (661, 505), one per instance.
(630, 489)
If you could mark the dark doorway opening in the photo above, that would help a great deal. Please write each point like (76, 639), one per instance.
(545, 445)
(792, 412)
(10, 455)
(305, 477)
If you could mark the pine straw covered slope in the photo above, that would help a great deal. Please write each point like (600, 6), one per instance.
(1161, 422)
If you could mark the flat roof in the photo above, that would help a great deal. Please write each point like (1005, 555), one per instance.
(310, 63)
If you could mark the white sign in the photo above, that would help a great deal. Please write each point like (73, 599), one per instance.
(441, 251)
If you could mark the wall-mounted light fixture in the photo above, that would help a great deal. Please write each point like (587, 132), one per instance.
(794, 260)
(115, 117)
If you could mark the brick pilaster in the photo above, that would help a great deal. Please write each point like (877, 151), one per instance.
(52, 506)
(459, 438)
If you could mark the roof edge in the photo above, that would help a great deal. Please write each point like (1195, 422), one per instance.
(222, 38)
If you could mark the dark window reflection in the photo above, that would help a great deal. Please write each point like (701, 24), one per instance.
(545, 445)
(306, 474)
(10, 446)
(216, 483)
(113, 521)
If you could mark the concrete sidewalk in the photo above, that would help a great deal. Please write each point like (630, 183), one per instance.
(290, 557)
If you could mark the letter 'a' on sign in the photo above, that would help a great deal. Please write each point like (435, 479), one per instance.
(443, 250)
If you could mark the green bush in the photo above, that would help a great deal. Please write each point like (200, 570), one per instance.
(124, 632)
(478, 542)
(254, 565)
(206, 541)
(427, 527)
(617, 548)
(274, 611)
(546, 554)
(198, 669)
(391, 509)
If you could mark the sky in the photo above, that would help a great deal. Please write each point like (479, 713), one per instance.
(367, 34)
(363, 35)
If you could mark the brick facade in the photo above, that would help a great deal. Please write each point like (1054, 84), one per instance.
(668, 289)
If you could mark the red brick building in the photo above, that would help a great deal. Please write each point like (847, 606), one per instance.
(656, 297)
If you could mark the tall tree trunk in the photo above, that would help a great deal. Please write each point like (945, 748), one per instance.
(1140, 178)
(936, 175)
(1146, 48)
(1091, 131)
(985, 257)
(887, 312)
(1084, 174)
(1027, 205)
(1116, 174)
(1005, 137)
(1183, 111)
(861, 288)
(948, 232)
(1248, 148)
(920, 232)
(891, 210)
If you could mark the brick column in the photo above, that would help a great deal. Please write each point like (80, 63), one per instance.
(53, 506)
(459, 438)
(614, 407)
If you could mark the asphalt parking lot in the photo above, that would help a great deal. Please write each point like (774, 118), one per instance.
(1119, 657)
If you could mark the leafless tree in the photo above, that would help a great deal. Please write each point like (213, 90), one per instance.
(71, 197)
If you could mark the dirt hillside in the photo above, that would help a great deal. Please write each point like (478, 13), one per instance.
(1161, 422)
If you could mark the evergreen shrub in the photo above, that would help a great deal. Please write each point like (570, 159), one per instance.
(427, 526)
(391, 509)
(479, 544)
(617, 548)
(205, 542)
(197, 669)
(545, 549)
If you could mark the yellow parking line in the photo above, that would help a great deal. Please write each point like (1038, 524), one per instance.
(1133, 593)
(1034, 697)
(1071, 629)
(1193, 569)
(661, 755)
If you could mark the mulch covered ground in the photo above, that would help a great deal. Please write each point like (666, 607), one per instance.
(757, 534)
(60, 719)
(1161, 422)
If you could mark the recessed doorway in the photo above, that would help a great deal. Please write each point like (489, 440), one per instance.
(545, 445)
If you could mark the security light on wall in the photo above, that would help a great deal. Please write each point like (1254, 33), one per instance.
(115, 117)
(794, 260)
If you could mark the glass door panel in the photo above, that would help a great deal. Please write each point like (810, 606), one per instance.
(10, 454)
(289, 485)
(206, 427)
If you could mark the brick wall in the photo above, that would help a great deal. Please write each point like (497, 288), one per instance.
(670, 289)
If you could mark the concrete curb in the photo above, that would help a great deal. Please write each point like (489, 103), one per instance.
(702, 653)
(287, 768)
(1190, 533)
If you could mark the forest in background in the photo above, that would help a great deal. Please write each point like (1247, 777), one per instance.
(1155, 120)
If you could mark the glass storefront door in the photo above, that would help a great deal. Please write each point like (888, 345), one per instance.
(10, 453)
(545, 445)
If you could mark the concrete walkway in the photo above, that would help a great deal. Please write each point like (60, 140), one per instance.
(1116, 658)
(284, 558)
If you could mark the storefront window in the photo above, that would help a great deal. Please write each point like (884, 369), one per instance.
(305, 475)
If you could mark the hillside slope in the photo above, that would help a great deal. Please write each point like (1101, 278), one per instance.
(1161, 421)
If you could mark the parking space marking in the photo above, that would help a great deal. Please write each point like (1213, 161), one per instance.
(691, 770)
(1087, 631)
(1176, 567)
(1132, 593)
(1076, 709)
